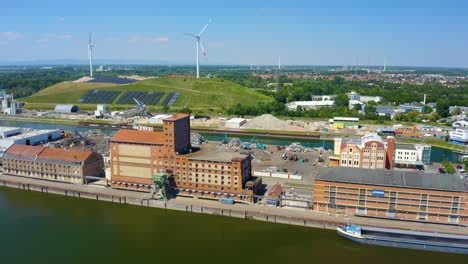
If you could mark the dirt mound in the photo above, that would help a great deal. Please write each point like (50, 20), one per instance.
(269, 122)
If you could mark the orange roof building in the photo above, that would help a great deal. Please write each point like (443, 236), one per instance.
(66, 165)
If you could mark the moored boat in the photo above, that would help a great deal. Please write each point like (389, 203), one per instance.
(405, 239)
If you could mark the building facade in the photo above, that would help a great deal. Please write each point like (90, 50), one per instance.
(65, 165)
(399, 195)
(136, 156)
(369, 152)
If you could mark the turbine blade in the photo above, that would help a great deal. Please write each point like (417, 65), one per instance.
(192, 35)
(89, 39)
(202, 48)
(203, 30)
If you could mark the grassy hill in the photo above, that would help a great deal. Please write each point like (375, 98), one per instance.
(195, 93)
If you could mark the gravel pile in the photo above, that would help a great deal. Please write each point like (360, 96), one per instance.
(269, 122)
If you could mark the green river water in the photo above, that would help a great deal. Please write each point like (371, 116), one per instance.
(46, 228)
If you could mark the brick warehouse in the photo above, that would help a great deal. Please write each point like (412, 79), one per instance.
(392, 194)
(65, 165)
(138, 155)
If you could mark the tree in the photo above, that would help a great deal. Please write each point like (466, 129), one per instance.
(166, 109)
(465, 162)
(427, 109)
(456, 111)
(186, 110)
(443, 107)
(342, 100)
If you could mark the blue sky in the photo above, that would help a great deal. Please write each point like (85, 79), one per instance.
(325, 32)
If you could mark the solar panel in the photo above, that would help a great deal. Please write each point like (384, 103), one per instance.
(99, 97)
(167, 99)
(148, 98)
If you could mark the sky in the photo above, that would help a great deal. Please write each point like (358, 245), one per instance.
(314, 32)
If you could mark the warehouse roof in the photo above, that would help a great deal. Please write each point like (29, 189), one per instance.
(136, 136)
(24, 150)
(213, 155)
(72, 155)
(175, 117)
(404, 179)
(66, 108)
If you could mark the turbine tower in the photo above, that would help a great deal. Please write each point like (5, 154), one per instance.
(90, 56)
(199, 46)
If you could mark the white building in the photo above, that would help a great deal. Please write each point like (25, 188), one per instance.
(412, 156)
(309, 104)
(8, 104)
(235, 123)
(460, 124)
(9, 131)
(158, 119)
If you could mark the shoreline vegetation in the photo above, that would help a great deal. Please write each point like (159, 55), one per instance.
(271, 133)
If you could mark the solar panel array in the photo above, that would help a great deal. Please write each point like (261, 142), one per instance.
(148, 98)
(173, 99)
(99, 97)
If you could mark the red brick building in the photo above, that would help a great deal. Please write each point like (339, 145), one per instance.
(392, 194)
(138, 155)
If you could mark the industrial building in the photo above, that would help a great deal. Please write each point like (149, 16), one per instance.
(309, 104)
(369, 151)
(411, 196)
(9, 132)
(235, 123)
(66, 109)
(136, 156)
(16, 135)
(65, 165)
(343, 122)
(9, 105)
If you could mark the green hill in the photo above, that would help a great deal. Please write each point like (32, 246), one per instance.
(195, 93)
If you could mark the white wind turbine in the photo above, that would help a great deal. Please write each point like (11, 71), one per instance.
(90, 56)
(199, 45)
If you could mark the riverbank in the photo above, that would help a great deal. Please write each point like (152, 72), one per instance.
(257, 212)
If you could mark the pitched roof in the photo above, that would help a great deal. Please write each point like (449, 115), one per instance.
(72, 155)
(24, 150)
(175, 117)
(404, 179)
(136, 136)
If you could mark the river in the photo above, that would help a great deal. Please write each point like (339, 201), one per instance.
(46, 228)
(437, 154)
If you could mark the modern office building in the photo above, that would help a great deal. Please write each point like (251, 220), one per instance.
(136, 156)
(65, 165)
(412, 156)
(392, 194)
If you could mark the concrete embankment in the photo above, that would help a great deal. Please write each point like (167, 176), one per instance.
(256, 212)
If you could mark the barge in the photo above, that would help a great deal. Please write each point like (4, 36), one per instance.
(405, 239)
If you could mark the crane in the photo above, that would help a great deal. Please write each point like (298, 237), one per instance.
(247, 145)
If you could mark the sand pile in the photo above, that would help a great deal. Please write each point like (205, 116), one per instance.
(269, 122)
(83, 79)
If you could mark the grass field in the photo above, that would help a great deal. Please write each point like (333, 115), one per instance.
(195, 93)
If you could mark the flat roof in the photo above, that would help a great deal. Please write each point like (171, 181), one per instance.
(215, 155)
(2, 129)
(405, 146)
(175, 117)
(393, 178)
(346, 118)
(137, 136)
(33, 133)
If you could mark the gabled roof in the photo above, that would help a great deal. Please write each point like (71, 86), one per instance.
(24, 150)
(72, 155)
(136, 136)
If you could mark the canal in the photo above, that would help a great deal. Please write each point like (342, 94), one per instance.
(437, 154)
(46, 228)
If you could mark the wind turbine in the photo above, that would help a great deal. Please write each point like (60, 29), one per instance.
(199, 45)
(90, 56)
